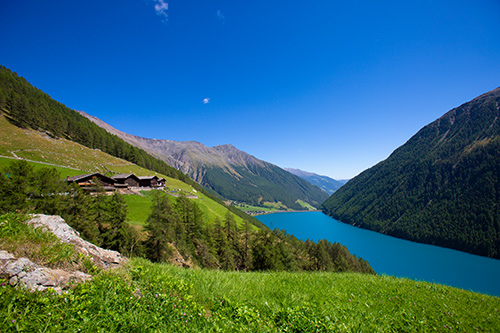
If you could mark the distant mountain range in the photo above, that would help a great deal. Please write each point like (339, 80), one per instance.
(327, 184)
(231, 173)
(442, 187)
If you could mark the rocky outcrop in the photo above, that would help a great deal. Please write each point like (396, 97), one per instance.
(101, 257)
(22, 271)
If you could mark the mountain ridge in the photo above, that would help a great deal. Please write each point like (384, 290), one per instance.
(441, 187)
(230, 172)
(327, 184)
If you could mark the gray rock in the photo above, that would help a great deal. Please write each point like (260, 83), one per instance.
(4, 255)
(55, 224)
(24, 272)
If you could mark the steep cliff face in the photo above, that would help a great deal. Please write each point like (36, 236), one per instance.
(232, 173)
(441, 187)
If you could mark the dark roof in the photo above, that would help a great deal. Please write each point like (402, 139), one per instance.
(148, 177)
(125, 176)
(90, 176)
(80, 177)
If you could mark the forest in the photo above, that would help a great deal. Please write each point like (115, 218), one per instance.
(174, 227)
(442, 187)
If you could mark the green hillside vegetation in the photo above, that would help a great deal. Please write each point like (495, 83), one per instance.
(442, 187)
(29, 107)
(176, 228)
(257, 185)
(144, 297)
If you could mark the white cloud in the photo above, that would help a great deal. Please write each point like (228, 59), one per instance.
(221, 16)
(161, 8)
(206, 100)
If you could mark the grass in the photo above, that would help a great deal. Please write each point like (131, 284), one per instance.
(140, 208)
(145, 297)
(65, 172)
(305, 205)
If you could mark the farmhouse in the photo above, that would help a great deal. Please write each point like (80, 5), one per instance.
(90, 180)
(127, 179)
(117, 182)
(161, 182)
(149, 181)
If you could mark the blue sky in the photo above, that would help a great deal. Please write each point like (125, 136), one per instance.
(330, 87)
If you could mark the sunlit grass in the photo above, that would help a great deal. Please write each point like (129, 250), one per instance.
(158, 297)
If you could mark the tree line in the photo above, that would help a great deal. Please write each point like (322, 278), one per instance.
(175, 228)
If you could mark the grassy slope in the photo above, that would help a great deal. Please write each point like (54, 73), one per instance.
(148, 297)
(74, 159)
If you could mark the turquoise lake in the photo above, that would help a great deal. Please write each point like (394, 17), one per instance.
(393, 256)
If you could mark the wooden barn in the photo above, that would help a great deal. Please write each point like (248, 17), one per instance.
(161, 182)
(89, 181)
(149, 181)
(127, 179)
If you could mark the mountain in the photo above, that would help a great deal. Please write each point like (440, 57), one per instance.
(327, 184)
(441, 187)
(228, 171)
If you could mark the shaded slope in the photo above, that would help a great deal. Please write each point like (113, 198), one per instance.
(442, 187)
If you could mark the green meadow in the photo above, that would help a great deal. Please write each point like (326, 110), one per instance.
(145, 297)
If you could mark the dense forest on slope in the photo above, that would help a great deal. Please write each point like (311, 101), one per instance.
(29, 107)
(228, 171)
(262, 184)
(442, 187)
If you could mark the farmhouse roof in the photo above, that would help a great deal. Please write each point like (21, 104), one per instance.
(125, 176)
(90, 176)
(148, 177)
(80, 177)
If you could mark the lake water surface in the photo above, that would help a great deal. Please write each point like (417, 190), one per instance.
(393, 256)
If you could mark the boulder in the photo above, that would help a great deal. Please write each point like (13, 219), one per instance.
(22, 271)
(55, 224)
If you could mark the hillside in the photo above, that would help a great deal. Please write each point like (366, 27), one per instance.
(442, 187)
(30, 108)
(71, 159)
(232, 173)
(327, 184)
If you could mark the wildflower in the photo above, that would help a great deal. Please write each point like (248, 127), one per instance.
(13, 321)
(156, 295)
(349, 300)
